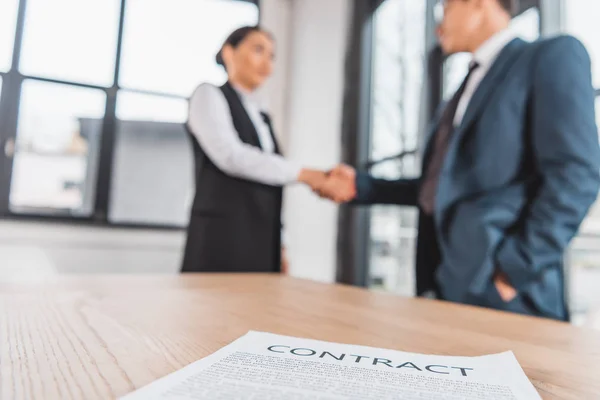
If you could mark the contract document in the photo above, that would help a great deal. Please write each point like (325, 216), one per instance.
(267, 367)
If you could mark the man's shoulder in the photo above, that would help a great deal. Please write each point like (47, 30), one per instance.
(557, 44)
(551, 55)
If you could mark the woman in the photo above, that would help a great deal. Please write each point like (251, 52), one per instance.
(235, 223)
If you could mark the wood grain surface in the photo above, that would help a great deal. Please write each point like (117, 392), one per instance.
(100, 337)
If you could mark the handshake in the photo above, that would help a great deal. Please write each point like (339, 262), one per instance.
(338, 184)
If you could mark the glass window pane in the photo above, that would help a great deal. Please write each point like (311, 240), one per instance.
(58, 137)
(142, 107)
(591, 224)
(397, 97)
(584, 269)
(151, 134)
(8, 20)
(71, 40)
(181, 54)
(584, 262)
(525, 25)
(598, 112)
(581, 20)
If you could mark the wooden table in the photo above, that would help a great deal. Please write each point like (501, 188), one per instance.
(100, 337)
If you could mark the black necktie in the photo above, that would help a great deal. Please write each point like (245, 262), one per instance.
(440, 147)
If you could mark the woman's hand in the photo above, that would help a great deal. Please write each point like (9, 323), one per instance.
(313, 177)
(340, 185)
(285, 264)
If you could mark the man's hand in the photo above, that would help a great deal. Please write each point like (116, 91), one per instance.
(505, 289)
(340, 185)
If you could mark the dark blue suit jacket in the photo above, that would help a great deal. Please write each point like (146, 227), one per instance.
(520, 174)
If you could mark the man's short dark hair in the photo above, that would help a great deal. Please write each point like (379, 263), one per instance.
(509, 5)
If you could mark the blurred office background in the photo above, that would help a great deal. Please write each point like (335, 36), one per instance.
(96, 169)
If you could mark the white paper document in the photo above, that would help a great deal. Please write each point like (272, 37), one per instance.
(267, 367)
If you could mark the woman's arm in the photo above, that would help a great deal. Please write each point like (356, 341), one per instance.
(211, 124)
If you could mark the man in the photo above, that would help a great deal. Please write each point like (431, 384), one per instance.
(510, 169)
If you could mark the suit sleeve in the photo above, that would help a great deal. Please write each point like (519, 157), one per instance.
(380, 191)
(567, 156)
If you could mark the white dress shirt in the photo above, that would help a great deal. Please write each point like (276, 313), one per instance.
(485, 56)
(253, 108)
(211, 124)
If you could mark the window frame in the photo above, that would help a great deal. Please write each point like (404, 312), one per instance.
(10, 99)
(354, 223)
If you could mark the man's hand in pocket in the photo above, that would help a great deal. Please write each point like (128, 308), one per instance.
(505, 289)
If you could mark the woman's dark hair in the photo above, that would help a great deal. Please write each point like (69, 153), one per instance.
(238, 37)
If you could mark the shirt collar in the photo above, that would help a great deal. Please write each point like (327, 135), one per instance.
(246, 95)
(486, 54)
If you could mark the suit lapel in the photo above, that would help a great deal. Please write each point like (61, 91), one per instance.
(486, 88)
(481, 97)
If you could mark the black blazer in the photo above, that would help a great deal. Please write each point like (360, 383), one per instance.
(235, 224)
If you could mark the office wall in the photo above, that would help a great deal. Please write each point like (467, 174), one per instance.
(312, 98)
(37, 250)
(276, 17)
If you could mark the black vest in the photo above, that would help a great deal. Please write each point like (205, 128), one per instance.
(235, 224)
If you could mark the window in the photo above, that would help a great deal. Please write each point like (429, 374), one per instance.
(71, 40)
(54, 166)
(151, 134)
(598, 110)
(65, 80)
(171, 60)
(584, 255)
(133, 106)
(581, 20)
(8, 19)
(170, 46)
(397, 94)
